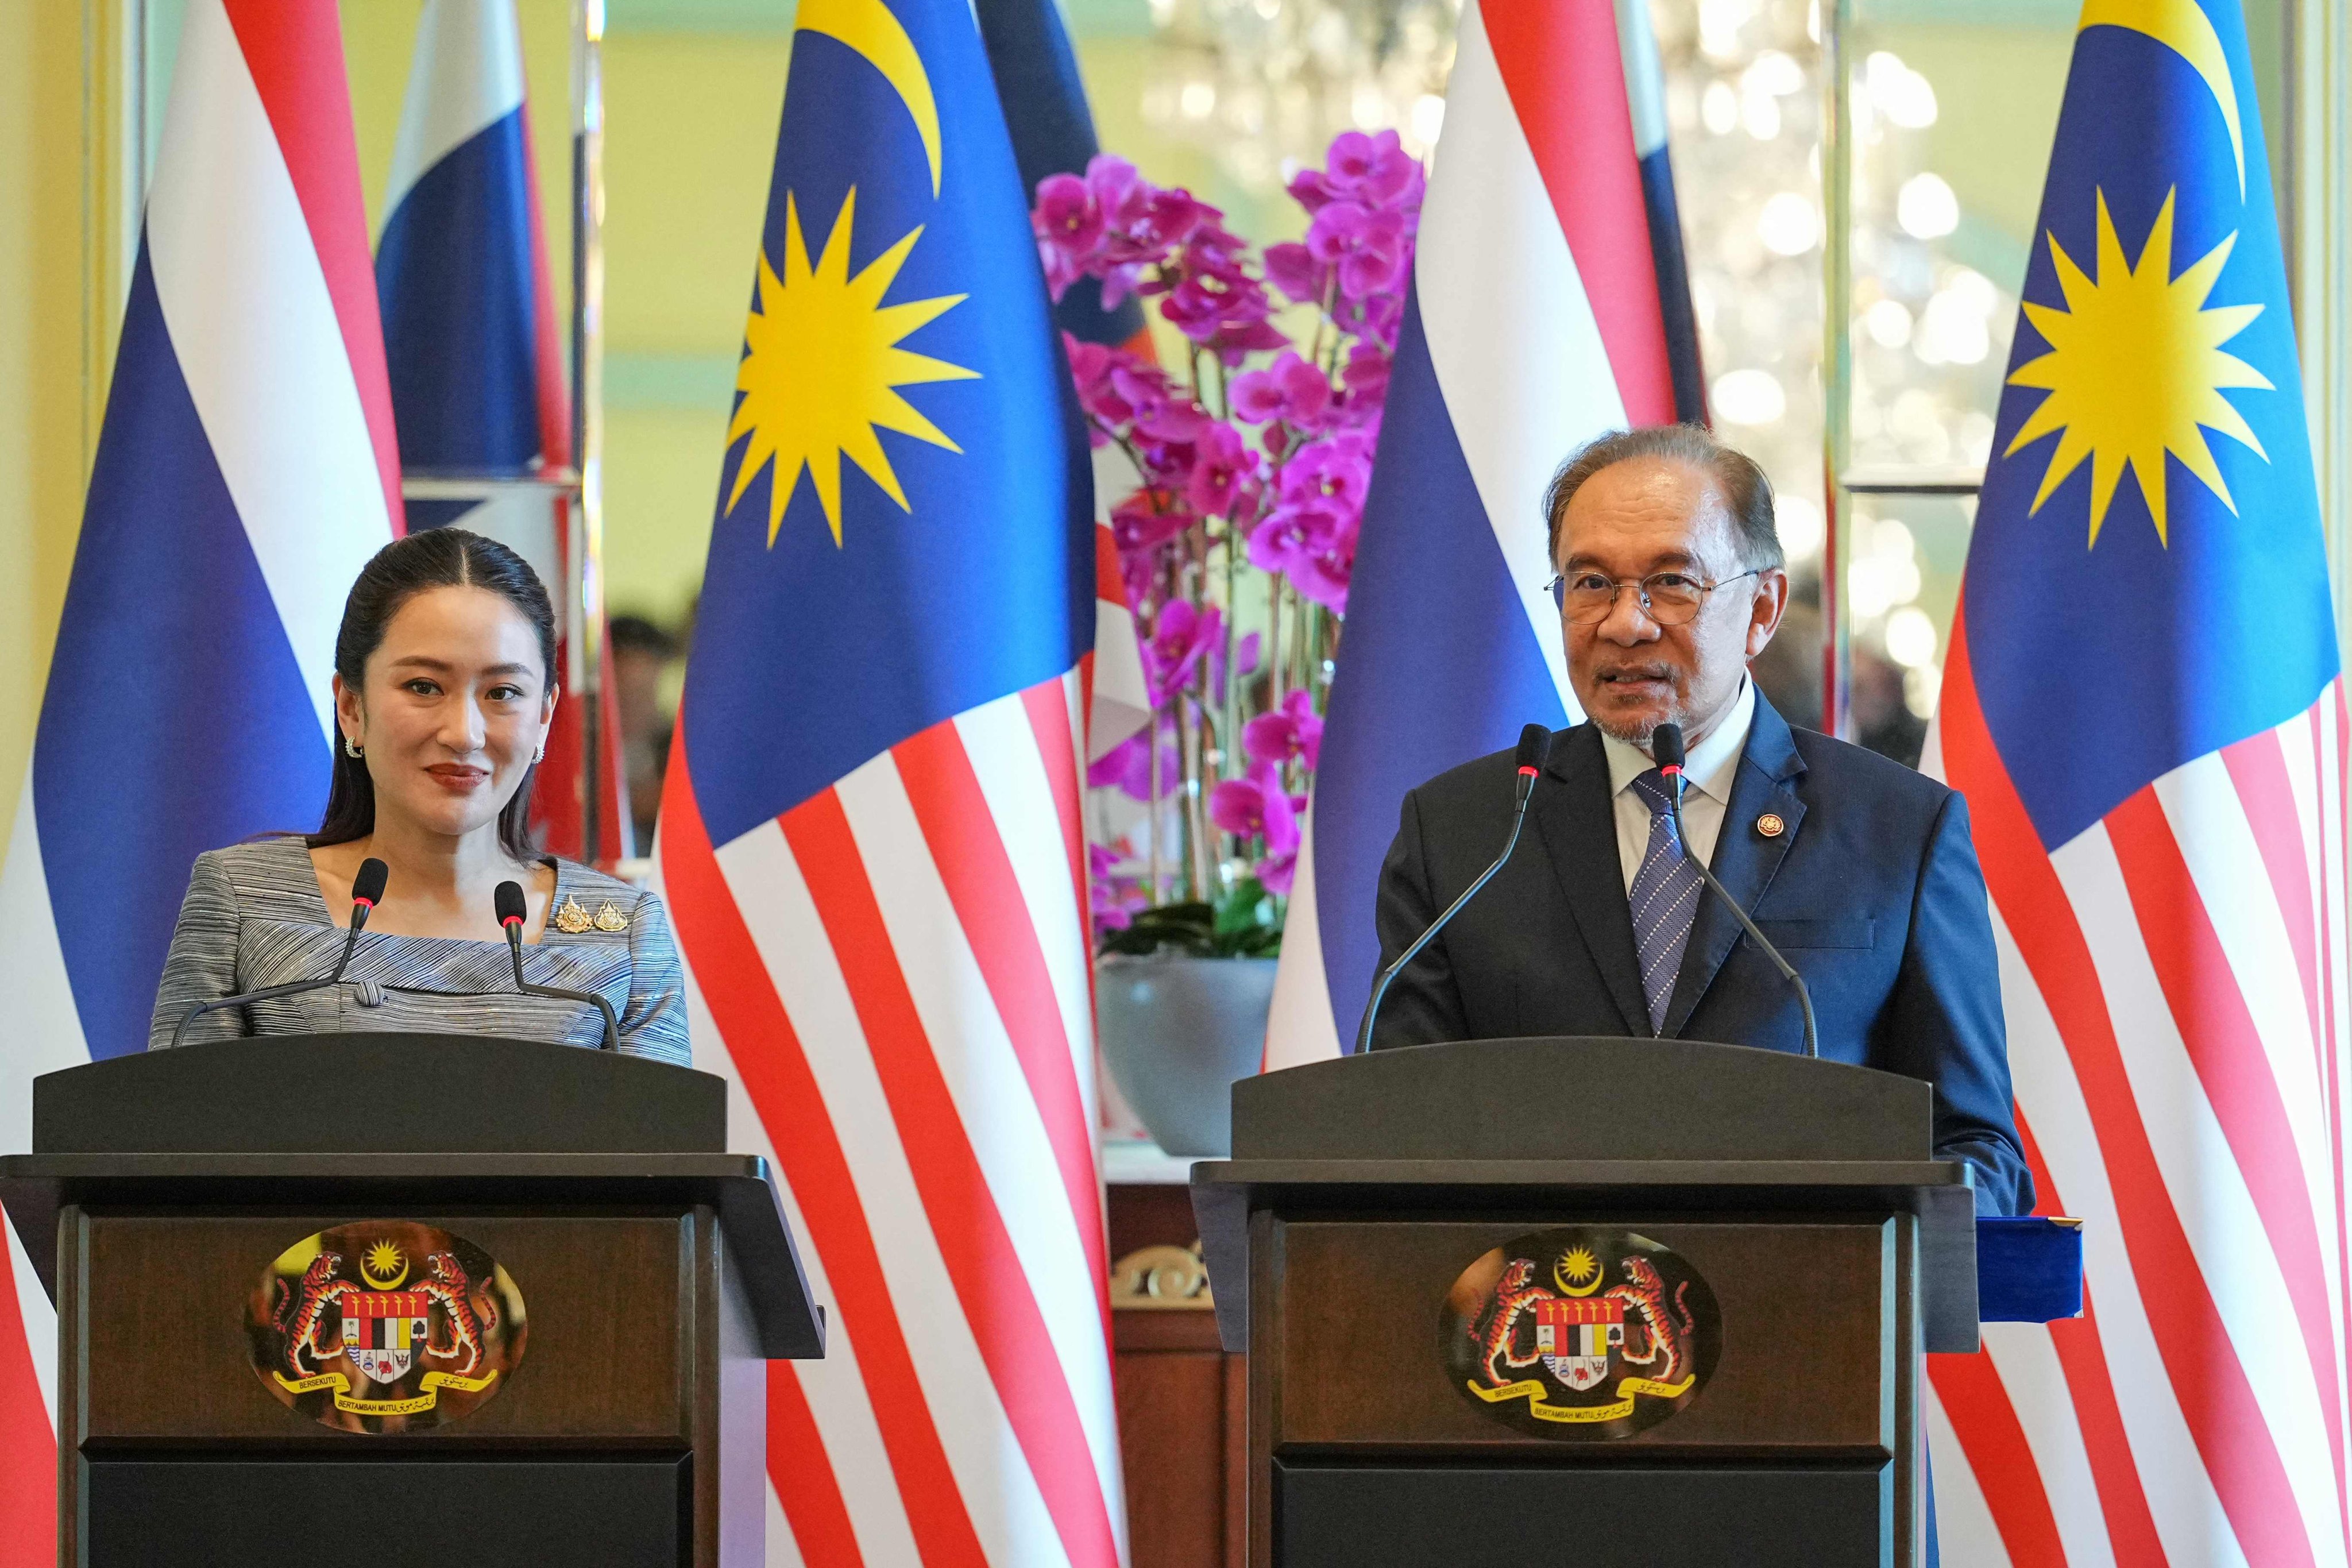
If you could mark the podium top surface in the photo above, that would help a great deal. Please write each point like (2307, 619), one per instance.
(786, 1320)
(410, 1120)
(1581, 1098)
(379, 1093)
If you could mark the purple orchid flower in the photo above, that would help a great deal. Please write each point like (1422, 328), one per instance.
(1290, 536)
(1290, 388)
(1291, 732)
(1324, 573)
(1365, 245)
(1292, 269)
(1255, 805)
(1366, 373)
(1373, 169)
(1147, 520)
(1181, 636)
(1067, 215)
(1335, 470)
(1224, 469)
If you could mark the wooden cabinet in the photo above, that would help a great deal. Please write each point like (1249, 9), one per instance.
(1183, 1437)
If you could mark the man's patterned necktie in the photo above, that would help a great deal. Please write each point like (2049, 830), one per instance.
(1664, 898)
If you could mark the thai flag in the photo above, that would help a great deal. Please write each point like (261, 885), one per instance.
(1535, 323)
(469, 336)
(244, 472)
(2143, 702)
(871, 837)
(1053, 132)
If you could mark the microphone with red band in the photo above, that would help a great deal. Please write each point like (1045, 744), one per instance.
(1666, 751)
(513, 909)
(367, 890)
(1535, 748)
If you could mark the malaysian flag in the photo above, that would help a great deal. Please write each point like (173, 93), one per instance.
(871, 837)
(1548, 305)
(244, 472)
(469, 337)
(2143, 703)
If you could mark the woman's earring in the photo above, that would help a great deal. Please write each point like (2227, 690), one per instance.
(540, 756)
(351, 750)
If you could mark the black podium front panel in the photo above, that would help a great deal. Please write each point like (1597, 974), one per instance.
(1347, 1516)
(514, 1513)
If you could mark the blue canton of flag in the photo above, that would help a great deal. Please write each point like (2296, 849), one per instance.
(903, 528)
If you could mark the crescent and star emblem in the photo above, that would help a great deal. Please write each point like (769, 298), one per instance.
(383, 1266)
(1578, 1263)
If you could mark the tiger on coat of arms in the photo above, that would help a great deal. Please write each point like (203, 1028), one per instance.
(302, 1312)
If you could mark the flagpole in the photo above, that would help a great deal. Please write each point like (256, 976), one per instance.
(1837, 357)
(586, 554)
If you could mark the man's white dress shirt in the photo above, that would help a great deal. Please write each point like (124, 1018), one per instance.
(1708, 770)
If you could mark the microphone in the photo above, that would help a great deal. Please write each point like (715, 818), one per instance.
(1535, 747)
(1666, 751)
(512, 911)
(367, 890)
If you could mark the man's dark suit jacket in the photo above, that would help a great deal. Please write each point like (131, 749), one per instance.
(1872, 891)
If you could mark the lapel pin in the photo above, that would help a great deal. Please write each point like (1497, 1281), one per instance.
(1770, 826)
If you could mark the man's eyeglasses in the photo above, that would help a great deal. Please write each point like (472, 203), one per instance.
(1669, 598)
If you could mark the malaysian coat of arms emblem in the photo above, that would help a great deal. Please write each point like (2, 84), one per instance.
(1580, 1333)
(386, 1326)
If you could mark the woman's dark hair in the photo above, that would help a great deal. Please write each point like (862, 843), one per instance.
(432, 558)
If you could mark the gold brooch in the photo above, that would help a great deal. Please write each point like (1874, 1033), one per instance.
(571, 919)
(1770, 826)
(610, 917)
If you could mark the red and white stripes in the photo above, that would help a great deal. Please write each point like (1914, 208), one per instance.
(2173, 979)
(894, 975)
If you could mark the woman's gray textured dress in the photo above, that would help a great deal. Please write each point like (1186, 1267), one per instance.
(254, 918)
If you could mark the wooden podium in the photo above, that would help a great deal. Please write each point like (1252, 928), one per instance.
(614, 1282)
(1745, 1253)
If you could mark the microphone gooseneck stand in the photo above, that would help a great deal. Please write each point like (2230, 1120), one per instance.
(367, 888)
(512, 911)
(1534, 746)
(1666, 751)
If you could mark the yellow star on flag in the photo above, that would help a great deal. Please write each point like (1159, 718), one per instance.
(821, 369)
(2136, 370)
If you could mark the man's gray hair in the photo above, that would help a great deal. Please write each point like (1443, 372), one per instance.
(1746, 493)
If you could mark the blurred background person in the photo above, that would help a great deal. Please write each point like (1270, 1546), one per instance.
(643, 662)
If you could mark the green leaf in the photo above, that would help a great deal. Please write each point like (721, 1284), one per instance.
(1243, 923)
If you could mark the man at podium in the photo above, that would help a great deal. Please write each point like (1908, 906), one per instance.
(1860, 870)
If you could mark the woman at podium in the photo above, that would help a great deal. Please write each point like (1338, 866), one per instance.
(444, 690)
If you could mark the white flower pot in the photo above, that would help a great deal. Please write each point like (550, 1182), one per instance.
(1177, 1031)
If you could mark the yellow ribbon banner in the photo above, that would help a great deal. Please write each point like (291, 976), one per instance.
(429, 1393)
(317, 1380)
(1532, 1390)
